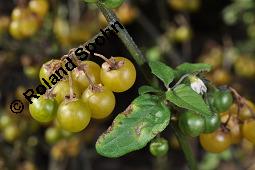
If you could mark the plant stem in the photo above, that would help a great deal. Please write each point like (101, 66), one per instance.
(127, 40)
(123, 35)
(183, 141)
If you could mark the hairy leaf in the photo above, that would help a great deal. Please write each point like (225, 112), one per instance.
(183, 96)
(186, 68)
(135, 127)
(162, 71)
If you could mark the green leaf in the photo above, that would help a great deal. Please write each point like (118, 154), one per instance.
(135, 127)
(147, 89)
(162, 71)
(183, 96)
(186, 68)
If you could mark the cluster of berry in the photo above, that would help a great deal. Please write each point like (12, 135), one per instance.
(88, 93)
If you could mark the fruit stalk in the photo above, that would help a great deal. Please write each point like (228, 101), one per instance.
(71, 85)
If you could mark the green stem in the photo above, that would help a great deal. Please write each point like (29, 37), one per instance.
(123, 35)
(127, 41)
(183, 141)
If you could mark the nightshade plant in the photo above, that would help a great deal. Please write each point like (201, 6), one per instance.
(150, 113)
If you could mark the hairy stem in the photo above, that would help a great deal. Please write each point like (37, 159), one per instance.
(123, 35)
(127, 41)
(183, 141)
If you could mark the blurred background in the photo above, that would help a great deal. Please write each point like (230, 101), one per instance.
(217, 32)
